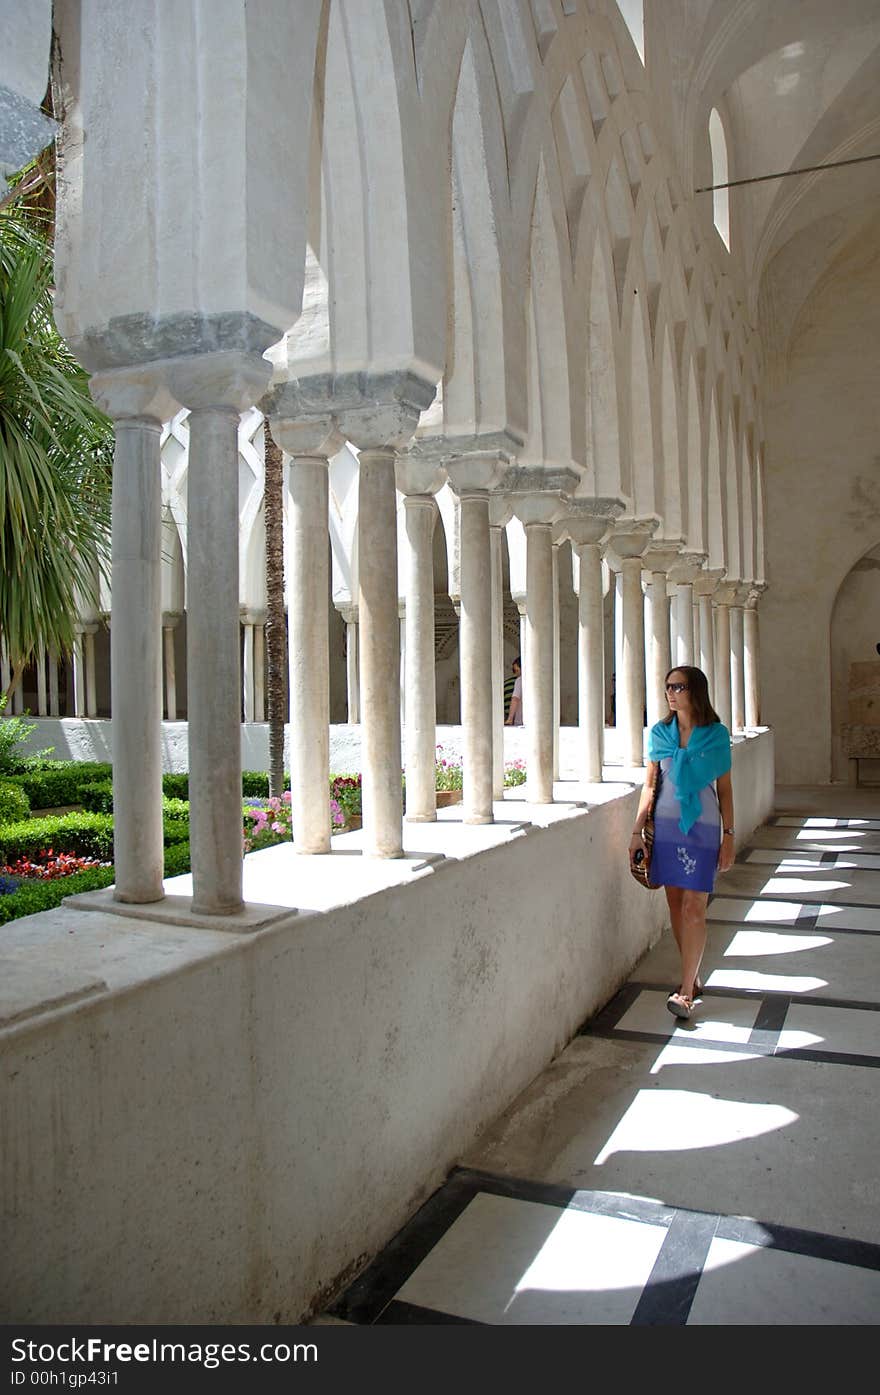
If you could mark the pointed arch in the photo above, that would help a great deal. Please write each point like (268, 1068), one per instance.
(602, 374)
(673, 501)
(641, 425)
(697, 517)
(549, 440)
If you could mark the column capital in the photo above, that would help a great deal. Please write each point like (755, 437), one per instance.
(475, 474)
(170, 619)
(631, 537)
(249, 616)
(686, 567)
(379, 411)
(348, 611)
(725, 593)
(756, 590)
(140, 392)
(660, 556)
(741, 594)
(590, 520)
(417, 477)
(500, 510)
(707, 580)
(230, 380)
(303, 435)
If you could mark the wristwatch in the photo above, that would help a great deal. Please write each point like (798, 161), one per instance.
(729, 830)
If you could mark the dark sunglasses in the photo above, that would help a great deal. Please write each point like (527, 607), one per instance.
(677, 687)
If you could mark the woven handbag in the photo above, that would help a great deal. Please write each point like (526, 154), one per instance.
(640, 862)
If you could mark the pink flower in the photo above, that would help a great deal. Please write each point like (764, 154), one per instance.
(278, 828)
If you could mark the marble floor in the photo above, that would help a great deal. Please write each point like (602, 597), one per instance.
(724, 1170)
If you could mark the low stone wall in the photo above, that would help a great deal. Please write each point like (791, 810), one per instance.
(202, 1126)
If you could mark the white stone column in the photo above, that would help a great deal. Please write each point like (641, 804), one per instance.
(472, 477)
(737, 662)
(685, 643)
(587, 533)
(89, 632)
(308, 619)
(247, 667)
(752, 659)
(79, 673)
(722, 702)
(630, 544)
(557, 696)
(538, 663)
(352, 676)
(216, 390)
(54, 700)
(419, 482)
(139, 404)
(499, 512)
(379, 654)
(42, 706)
(704, 589)
(538, 512)
(657, 562)
(309, 441)
(260, 667)
(169, 625)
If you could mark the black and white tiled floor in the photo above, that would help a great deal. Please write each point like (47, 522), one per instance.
(720, 1171)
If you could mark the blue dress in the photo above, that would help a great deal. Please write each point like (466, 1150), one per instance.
(687, 859)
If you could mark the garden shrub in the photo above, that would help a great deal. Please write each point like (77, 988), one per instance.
(32, 897)
(176, 785)
(89, 834)
(14, 803)
(98, 797)
(50, 785)
(177, 859)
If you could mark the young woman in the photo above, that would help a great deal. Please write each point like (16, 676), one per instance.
(693, 820)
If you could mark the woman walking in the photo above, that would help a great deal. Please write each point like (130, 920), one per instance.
(693, 818)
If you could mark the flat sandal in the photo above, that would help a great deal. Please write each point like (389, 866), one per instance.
(679, 1005)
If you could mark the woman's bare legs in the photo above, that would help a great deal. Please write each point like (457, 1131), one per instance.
(687, 911)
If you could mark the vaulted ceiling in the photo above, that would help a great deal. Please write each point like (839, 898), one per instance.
(797, 83)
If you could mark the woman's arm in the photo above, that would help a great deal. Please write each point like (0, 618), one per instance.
(645, 798)
(727, 851)
(515, 705)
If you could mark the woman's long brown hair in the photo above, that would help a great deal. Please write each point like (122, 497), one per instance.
(698, 687)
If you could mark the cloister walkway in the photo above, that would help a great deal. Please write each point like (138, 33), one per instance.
(721, 1171)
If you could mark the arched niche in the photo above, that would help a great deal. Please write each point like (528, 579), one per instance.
(855, 693)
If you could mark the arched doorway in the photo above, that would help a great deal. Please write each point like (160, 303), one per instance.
(855, 669)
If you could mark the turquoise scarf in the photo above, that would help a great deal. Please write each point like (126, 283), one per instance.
(702, 760)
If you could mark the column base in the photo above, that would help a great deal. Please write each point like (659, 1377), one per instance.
(420, 818)
(480, 818)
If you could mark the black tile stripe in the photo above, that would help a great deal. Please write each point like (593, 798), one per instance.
(814, 1244)
(667, 1296)
(860, 1004)
(770, 1020)
(371, 1291)
(768, 1047)
(400, 1313)
(607, 1018)
(567, 1198)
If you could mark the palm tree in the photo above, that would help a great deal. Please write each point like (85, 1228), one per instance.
(55, 456)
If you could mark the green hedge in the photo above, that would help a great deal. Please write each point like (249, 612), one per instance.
(43, 896)
(36, 896)
(51, 786)
(90, 835)
(14, 803)
(97, 798)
